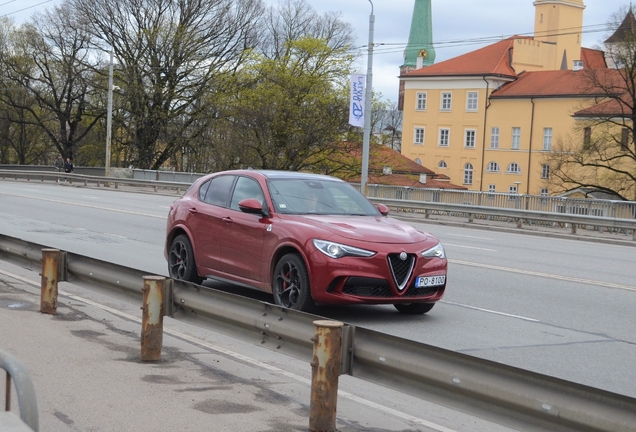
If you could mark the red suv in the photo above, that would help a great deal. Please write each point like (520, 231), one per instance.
(308, 239)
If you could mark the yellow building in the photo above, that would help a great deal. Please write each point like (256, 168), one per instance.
(486, 118)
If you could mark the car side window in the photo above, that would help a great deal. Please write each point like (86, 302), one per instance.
(246, 188)
(203, 189)
(218, 192)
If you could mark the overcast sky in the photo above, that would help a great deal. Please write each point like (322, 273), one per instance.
(458, 26)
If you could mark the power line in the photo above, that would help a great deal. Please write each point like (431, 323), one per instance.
(26, 8)
(11, 1)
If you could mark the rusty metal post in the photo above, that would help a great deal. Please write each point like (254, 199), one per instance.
(50, 278)
(325, 370)
(152, 319)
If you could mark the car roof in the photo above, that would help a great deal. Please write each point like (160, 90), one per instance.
(276, 174)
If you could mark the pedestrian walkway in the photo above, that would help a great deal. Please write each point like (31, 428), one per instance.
(86, 368)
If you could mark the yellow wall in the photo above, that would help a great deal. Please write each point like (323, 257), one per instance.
(559, 22)
(457, 120)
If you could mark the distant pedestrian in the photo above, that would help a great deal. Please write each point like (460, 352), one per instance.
(68, 167)
(59, 165)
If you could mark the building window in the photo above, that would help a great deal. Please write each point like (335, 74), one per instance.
(625, 139)
(545, 171)
(587, 138)
(446, 101)
(492, 188)
(547, 139)
(512, 189)
(493, 167)
(471, 101)
(494, 137)
(513, 168)
(418, 161)
(442, 164)
(469, 138)
(418, 137)
(420, 103)
(468, 174)
(444, 137)
(544, 191)
(516, 138)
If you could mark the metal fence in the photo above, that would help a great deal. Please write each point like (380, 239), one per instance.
(540, 203)
(550, 204)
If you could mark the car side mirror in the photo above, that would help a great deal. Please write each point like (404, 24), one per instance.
(384, 210)
(253, 206)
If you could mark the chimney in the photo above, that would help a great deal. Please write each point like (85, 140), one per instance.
(578, 65)
(423, 178)
(419, 62)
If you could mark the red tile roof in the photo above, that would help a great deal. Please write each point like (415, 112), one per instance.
(609, 108)
(493, 59)
(593, 59)
(558, 83)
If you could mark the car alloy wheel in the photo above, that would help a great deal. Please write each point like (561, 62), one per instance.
(291, 284)
(181, 260)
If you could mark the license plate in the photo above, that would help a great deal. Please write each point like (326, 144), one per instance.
(430, 281)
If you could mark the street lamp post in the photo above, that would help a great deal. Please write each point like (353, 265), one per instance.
(367, 108)
(109, 115)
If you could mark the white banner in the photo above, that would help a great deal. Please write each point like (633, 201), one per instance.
(356, 105)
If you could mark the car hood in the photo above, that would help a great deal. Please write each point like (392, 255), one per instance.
(370, 229)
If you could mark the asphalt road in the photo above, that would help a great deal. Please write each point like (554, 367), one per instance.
(559, 307)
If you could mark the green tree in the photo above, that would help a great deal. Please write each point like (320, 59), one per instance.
(292, 108)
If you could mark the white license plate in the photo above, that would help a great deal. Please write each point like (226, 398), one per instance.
(430, 281)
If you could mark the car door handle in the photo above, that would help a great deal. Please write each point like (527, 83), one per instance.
(193, 210)
(227, 220)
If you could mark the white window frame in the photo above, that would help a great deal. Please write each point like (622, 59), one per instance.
(468, 173)
(494, 137)
(511, 170)
(419, 134)
(492, 167)
(545, 171)
(446, 101)
(470, 137)
(544, 192)
(516, 138)
(492, 188)
(547, 139)
(512, 189)
(472, 101)
(443, 137)
(442, 164)
(420, 101)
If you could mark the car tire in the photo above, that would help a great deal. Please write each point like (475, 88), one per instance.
(290, 284)
(181, 264)
(414, 308)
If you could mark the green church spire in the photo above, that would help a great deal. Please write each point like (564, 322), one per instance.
(420, 37)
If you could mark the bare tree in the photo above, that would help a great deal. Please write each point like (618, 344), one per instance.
(50, 59)
(170, 54)
(601, 155)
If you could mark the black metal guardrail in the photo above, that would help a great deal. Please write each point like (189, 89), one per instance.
(404, 205)
(407, 366)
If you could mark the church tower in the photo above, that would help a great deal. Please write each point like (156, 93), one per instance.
(419, 52)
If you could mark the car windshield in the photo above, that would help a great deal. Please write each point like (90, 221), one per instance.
(318, 196)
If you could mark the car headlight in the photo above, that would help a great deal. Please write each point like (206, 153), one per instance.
(337, 250)
(436, 251)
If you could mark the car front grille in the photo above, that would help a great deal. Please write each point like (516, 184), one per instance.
(401, 269)
(367, 287)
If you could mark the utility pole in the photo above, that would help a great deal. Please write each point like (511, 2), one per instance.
(367, 108)
(109, 114)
